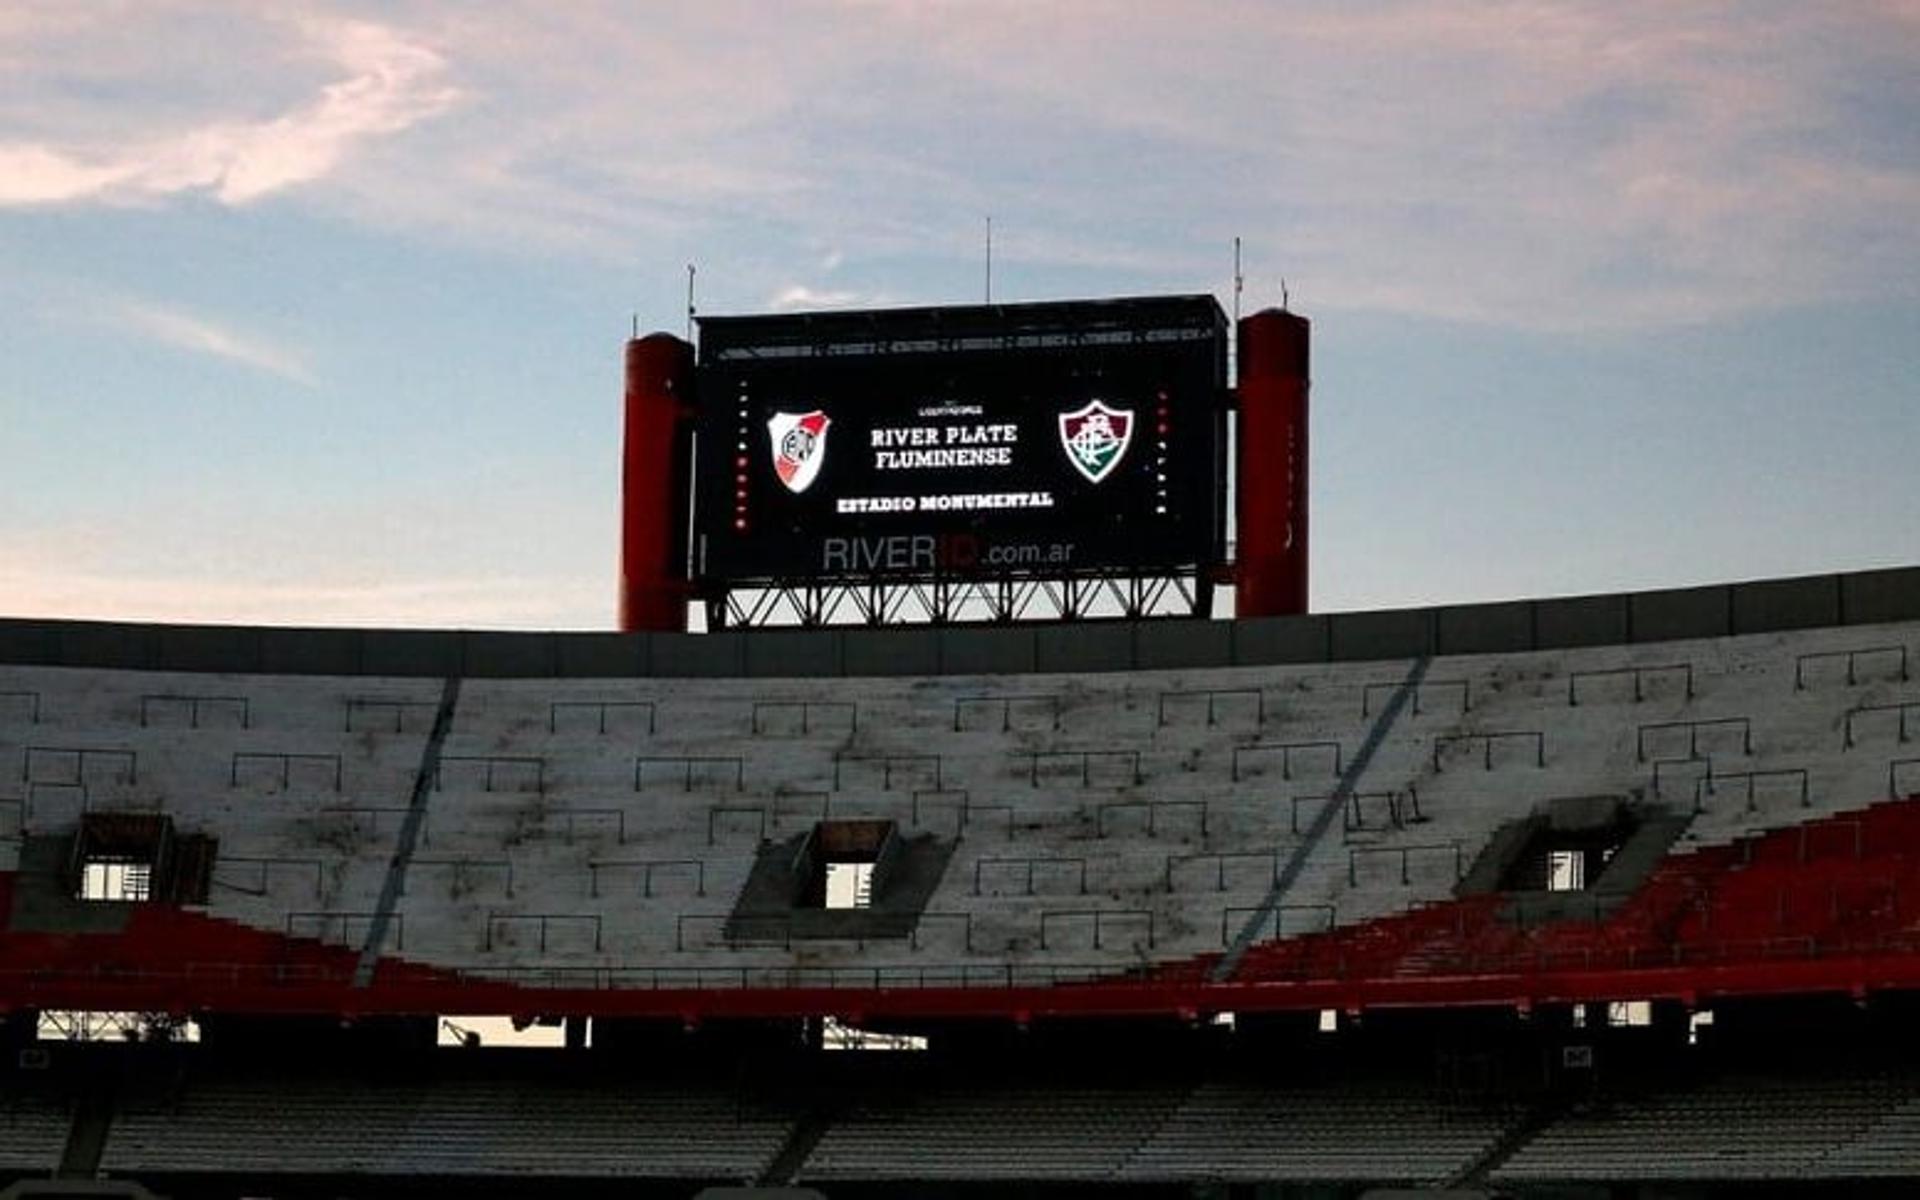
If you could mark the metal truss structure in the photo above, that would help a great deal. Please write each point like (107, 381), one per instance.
(94, 1025)
(972, 600)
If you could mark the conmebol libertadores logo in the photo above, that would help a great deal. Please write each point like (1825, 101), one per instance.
(799, 446)
(1095, 438)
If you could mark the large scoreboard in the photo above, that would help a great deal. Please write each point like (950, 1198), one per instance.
(1039, 439)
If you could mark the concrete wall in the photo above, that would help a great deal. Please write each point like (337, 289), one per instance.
(1865, 597)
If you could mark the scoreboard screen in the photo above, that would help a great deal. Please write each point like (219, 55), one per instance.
(1035, 438)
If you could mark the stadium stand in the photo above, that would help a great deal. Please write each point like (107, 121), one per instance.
(1406, 1134)
(33, 1128)
(1080, 827)
(447, 1128)
(1745, 1127)
(1532, 813)
(1060, 1134)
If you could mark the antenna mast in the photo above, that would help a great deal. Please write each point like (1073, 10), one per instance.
(1239, 281)
(689, 302)
(989, 259)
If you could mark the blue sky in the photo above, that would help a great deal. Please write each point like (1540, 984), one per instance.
(312, 313)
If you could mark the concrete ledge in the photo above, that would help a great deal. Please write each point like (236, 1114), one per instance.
(1870, 597)
(1159, 645)
(410, 652)
(101, 644)
(700, 655)
(988, 652)
(1680, 613)
(208, 648)
(1580, 621)
(30, 643)
(1807, 603)
(1394, 633)
(793, 654)
(1261, 641)
(1485, 628)
(891, 651)
(310, 651)
(1619, 619)
(509, 655)
(603, 655)
(1106, 646)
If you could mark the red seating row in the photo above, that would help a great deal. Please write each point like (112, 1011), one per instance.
(1836, 885)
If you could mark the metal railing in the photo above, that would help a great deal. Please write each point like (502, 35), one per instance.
(353, 813)
(1220, 859)
(716, 814)
(687, 764)
(357, 705)
(806, 709)
(1025, 868)
(492, 767)
(1444, 850)
(1704, 767)
(887, 764)
(1903, 709)
(1639, 675)
(1852, 658)
(266, 867)
(1130, 759)
(1213, 696)
(240, 704)
(1287, 751)
(329, 765)
(324, 919)
(1100, 918)
(544, 924)
(1693, 730)
(80, 757)
(599, 709)
(1006, 703)
(461, 868)
(1153, 809)
(646, 867)
(1370, 690)
(1488, 740)
(1234, 916)
(1710, 783)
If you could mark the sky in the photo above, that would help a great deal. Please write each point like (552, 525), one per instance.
(312, 313)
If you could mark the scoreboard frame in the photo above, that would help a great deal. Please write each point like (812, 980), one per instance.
(1042, 440)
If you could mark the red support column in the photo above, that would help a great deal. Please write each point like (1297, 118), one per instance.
(1271, 476)
(654, 474)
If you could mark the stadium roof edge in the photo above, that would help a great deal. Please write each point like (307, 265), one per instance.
(1619, 618)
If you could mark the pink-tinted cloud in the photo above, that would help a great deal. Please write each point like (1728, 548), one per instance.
(199, 334)
(1546, 163)
(83, 574)
(390, 83)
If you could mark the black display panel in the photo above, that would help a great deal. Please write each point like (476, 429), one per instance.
(1040, 439)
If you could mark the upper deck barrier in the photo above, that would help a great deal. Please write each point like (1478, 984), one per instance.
(1620, 618)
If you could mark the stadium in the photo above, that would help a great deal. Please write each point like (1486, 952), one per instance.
(964, 851)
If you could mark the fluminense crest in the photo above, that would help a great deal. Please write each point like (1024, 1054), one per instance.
(1095, 438)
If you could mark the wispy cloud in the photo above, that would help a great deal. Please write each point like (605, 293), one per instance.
(202, 335)
(1525, 162)
(1542, 163)
(799, 295)
(82, 574)
(391, 83)
(492, 602)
